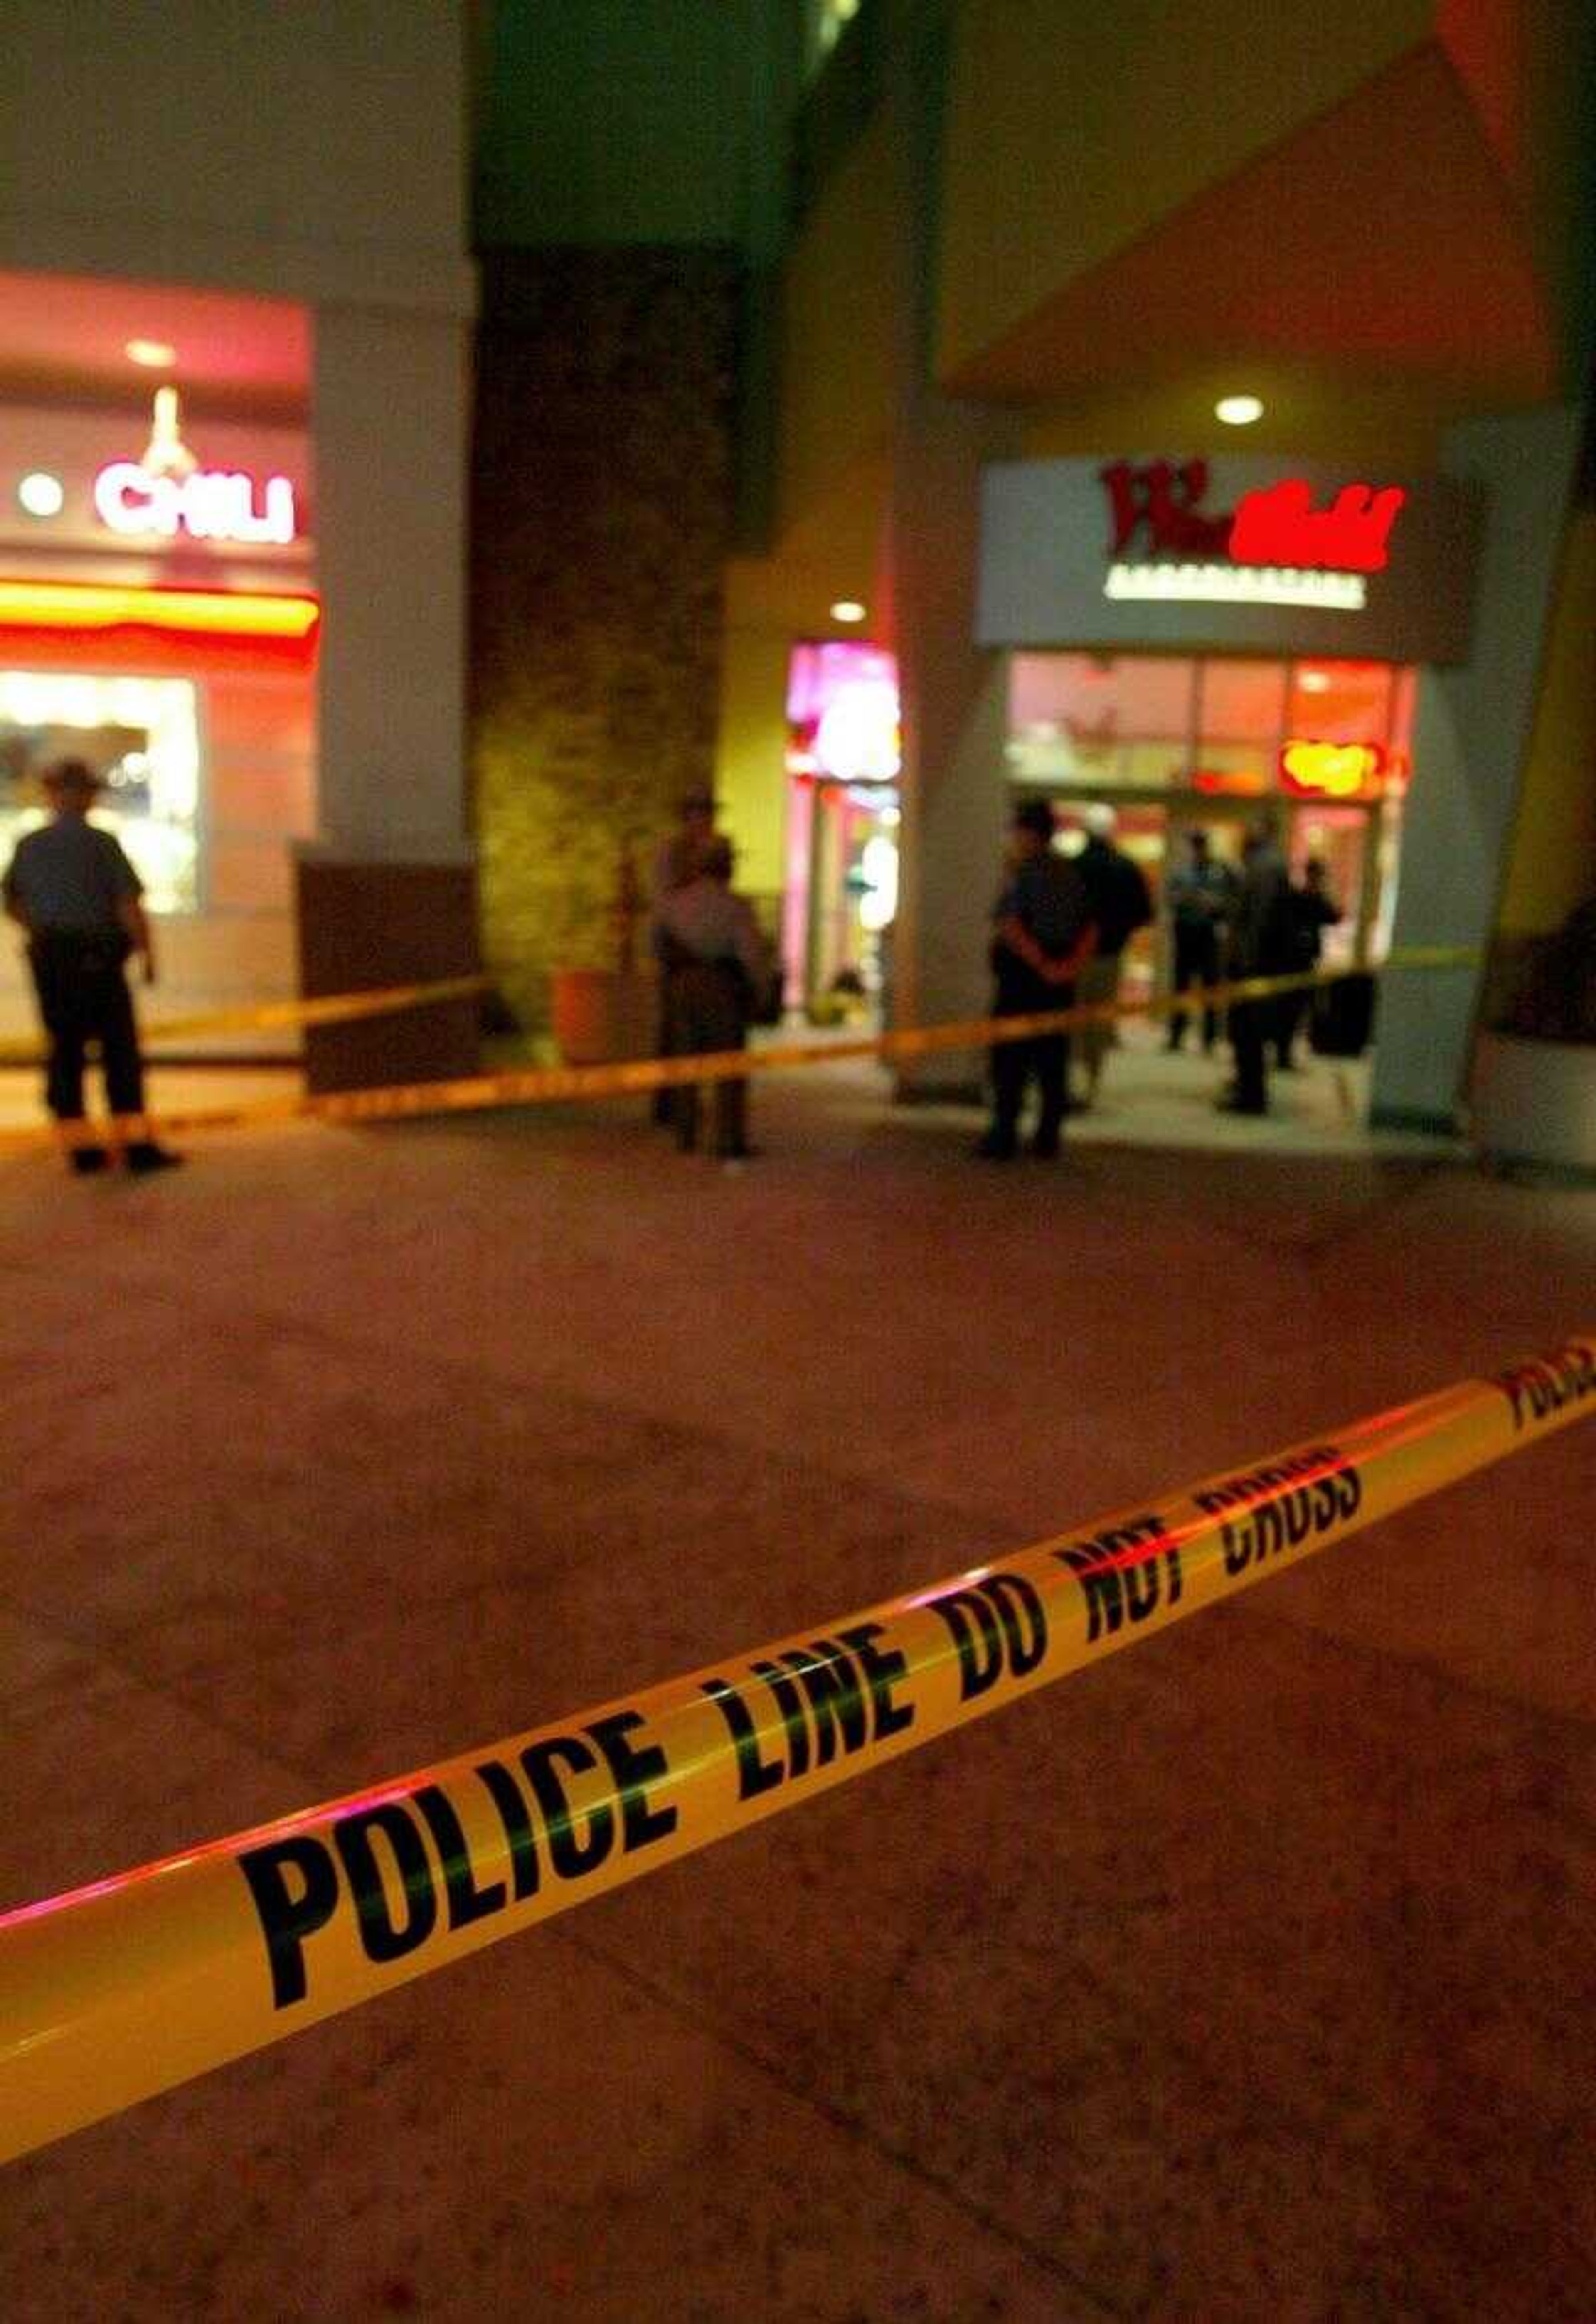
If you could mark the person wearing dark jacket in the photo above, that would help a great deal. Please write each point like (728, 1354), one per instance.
(718, 966)
(73, 890)
(1120, 904)
(1313, 911)
(1042, 932)
(1262, 943)
(1201, 894)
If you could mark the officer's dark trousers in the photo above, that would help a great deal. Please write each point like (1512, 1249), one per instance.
(1044, 1059)
(83, 996)
(1252, 1022)
(707, 1014)
(1196, 962)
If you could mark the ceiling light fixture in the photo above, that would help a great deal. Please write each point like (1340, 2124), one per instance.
(154, 353)
(1239, 411)
(847, 609)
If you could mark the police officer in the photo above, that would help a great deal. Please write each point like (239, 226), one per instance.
(1042, 932)
(74, 891)
(1262, 941)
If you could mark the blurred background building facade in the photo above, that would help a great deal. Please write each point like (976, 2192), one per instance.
(844, 426)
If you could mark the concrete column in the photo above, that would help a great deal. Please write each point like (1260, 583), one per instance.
(954, 777)
(1472, 731)
(386, 891)
(391, 415)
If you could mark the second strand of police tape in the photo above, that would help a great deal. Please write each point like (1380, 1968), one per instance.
(544, 1084)
(130, 1987)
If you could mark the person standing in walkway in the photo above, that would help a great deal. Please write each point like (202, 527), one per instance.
(1118, 895)
(678, 858)
(1202, 896)
(1262, 937)
(1313, 911)
(72, 889)
(716, 984)
(1042, 932)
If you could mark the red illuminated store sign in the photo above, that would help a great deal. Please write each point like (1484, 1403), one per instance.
(1274, 547)
(1159, 508)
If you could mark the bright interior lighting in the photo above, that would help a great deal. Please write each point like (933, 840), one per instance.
(847, 609)
(194, 613)
(154, 353)
(1313, 681)
(41, 493)
(1239, 411)
(143, 735)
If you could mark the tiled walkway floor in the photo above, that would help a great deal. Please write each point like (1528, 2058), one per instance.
(1248, 1976)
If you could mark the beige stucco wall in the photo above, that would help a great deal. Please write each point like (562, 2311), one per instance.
(310, 150)
(1552, 864)
(842, 300)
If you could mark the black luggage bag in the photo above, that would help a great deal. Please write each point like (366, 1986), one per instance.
(1342, 1021)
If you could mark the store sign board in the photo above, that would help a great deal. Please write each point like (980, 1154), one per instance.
(1157, 506)
(209, 504)
(1228, 554)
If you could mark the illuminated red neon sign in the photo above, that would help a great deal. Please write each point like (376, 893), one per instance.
(1281, 526)
(1162, 500)
(1160, 504)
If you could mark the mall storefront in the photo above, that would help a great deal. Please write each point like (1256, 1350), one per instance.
(1198, 644)
(1178, 743)
(158, 619)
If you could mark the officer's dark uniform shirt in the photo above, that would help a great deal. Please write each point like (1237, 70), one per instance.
(68, 879)
(1048, 897)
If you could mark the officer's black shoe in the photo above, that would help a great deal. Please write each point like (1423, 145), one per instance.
(146, 1156)
(89, 1161)
(993, 1148)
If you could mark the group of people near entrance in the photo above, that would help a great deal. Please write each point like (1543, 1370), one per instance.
(1060, 931)
(1060, 928)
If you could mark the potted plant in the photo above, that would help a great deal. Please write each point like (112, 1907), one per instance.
(602, 1015)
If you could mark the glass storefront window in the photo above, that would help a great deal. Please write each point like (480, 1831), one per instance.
(1173, 741)
(1240, 721)
(1112, 721)
(142, 737)
(1341, 701)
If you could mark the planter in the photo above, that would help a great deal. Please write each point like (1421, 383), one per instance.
(1535, 1102)
(602, 1016)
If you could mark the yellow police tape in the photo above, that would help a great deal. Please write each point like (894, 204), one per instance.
(266, 1016)
(131, 1985)
(544, 1084)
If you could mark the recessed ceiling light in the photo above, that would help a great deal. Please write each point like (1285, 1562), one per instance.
(154, 353)
(1239, 411)
(41, 494)
(847, 609)
(1313, 681)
